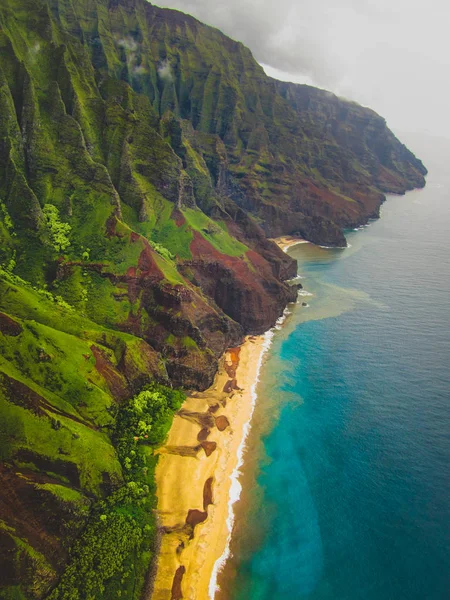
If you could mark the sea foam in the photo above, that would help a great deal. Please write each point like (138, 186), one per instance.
(236, 487)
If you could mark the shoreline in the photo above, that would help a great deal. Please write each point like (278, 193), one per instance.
(197, 476)
(285, 242)
(198, 471)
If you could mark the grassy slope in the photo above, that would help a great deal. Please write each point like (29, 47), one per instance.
(55, 432)
(142, 127)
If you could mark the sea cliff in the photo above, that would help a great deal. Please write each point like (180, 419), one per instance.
(145, 158)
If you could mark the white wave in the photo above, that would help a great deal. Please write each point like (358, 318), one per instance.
(295, 279)
(236, 487)
(282, 319)
(304, 293)
(334, 247)
(285, 250)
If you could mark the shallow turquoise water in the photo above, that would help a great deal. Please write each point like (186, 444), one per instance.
(347, 493)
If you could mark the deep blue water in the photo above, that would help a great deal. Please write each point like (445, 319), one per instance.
(349, 498)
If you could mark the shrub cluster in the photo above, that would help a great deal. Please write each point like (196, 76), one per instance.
(57, 230)
(162, 251)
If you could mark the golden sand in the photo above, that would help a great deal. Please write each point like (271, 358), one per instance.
(287, 241)
(194, 476)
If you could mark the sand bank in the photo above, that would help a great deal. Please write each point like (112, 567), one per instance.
(197, 476)
(287, 241)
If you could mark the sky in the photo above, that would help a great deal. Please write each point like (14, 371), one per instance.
(391, 55)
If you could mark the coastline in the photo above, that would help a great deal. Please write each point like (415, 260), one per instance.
(197, 476)
(285, 242)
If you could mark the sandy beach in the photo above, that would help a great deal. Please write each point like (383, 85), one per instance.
(287, 241)
(197, 474)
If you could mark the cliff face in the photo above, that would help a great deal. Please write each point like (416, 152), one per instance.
(144, 160)
(367, 152)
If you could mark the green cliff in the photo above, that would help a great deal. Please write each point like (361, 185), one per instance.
(144, 160)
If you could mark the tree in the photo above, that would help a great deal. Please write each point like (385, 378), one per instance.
(57, 230)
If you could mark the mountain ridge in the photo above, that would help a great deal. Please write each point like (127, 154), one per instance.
(144, 160)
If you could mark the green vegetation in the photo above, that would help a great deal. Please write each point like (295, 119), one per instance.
(114, 550)
(216, 235)
(162, 251)
(4, 215)
(57, 231)
(66, 494)
(132, 142)
(147, 417)
(57, 407)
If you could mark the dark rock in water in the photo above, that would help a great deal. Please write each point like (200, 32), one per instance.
(304, 304)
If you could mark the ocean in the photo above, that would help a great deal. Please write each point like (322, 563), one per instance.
(346, 480)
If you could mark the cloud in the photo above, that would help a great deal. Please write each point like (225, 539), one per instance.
(133, 56)
(35, 49)
(128, 43)
(393, 55)
(140, 70)
(165, 71)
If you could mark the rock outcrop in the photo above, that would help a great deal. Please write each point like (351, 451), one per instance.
(145, 158)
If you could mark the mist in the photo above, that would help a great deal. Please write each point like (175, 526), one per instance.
(391, 55)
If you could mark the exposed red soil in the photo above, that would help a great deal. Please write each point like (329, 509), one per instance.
(178, 217)
(117, 385)
(9, 326)
(234, 358)
(260, 263)
(35, 515)
(202, 249)
(147, 264)
(228, 387)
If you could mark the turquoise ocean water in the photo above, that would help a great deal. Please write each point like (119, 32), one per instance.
(347, 480)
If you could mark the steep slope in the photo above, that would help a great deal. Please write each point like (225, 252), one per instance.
(62, 380)
(280, 153)
(144, 158)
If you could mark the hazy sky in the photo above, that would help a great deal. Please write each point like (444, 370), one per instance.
(391, 55)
